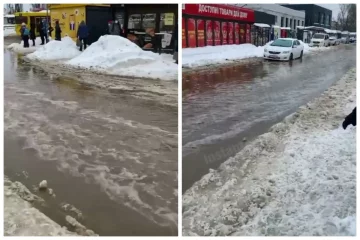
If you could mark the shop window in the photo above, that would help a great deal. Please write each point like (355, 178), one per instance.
(282, 22)
(302, 23)
(298, 23)
(291, 21)
(134, 21)
(287, 22)
(167, 21)
(148, 20)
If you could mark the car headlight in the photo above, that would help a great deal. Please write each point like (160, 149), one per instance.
(265, 50)
(286, 52)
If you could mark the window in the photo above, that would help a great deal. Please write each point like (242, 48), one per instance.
(291, 21)
(302, 23)
(298, 23)
(298, 43)
(294, 24)
(319, 18)
(287, 22)
(167, 21)
(134, 21)
(20, 20)
(282, 22)
(148, 20)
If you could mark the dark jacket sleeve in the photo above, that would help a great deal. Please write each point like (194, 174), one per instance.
(350, 119)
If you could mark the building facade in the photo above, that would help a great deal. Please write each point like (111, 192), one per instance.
(215, 24)
(284, 16)
(315, 15)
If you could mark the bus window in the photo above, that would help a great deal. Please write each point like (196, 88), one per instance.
(20, 20)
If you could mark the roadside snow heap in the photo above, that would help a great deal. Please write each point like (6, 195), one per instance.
(56, 50)
(201, 56)
(119, 56)
(8, 32)
(222, 54)
(19, 47)
(297, 179)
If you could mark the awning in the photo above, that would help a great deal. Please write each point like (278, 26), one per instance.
(262, 25)
(286, 28)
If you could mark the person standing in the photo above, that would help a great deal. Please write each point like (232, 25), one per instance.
(45, 30)
(57, 31)
(23, 26)
(40, 30)
(25, 36)
(32, 33)
(82, 34)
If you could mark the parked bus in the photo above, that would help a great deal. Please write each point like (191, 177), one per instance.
(29, 18)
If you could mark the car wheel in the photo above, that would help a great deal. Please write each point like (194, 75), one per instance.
(301, 54)
(291, 57)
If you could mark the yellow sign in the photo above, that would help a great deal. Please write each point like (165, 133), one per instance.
(169, 19)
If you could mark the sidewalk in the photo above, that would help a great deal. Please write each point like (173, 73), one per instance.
(297, 179)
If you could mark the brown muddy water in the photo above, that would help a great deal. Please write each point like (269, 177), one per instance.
(110, 154)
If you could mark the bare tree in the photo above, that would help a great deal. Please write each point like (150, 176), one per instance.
(347, 17)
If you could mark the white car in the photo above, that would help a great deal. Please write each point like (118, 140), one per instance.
(334, 41)
(320, 40)
(284, 49)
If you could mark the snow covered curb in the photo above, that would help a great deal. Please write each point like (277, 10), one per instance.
(225, 54)
(297, 179)
(19, 47)
(22, 219)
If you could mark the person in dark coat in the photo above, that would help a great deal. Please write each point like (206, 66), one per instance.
(32, 33)
(45, 29)
(82, 34)
(51, 29)
(350, 119)
(40, 30)
(57, 31)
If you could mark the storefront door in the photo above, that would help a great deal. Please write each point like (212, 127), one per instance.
(209, 33)
(200, 33)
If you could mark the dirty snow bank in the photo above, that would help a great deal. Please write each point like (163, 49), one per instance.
(297, 179)
(56, 50)
(202, 56)
(119, 56)
(196, 57)
(21, 219)
(19, 47)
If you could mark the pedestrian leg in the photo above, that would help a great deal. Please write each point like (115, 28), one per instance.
(42, 39)
(33, 42)
(81, 43)
(85, 42)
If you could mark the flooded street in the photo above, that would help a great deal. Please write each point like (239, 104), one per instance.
(112, 154)
(225, 108)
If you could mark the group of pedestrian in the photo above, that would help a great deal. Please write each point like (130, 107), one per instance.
(44, 31)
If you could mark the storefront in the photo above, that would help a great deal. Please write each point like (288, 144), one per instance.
(215, 24)
(137, 18)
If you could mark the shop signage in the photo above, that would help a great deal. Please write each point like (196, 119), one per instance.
(220, 11)
(169, 19)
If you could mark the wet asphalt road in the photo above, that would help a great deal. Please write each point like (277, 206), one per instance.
(111, 154)
(226, 107)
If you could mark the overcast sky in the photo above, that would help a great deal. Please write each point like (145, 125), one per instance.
(334, 7)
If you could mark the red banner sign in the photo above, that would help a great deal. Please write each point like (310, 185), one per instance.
(224, 30)
(217, 32)
(191, 32)
(200, 33)
(237, 35)
(231, 32)
(183, 34)
(220, 11)
(209, 33)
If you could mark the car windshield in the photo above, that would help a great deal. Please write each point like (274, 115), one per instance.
(318, 36)
(282, 43)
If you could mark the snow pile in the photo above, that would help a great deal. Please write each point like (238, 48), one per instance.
(56, 50)
(9, 32)
(19, 47)
(119, 56)
(21, 219)
(195, 57)
(297, 179)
